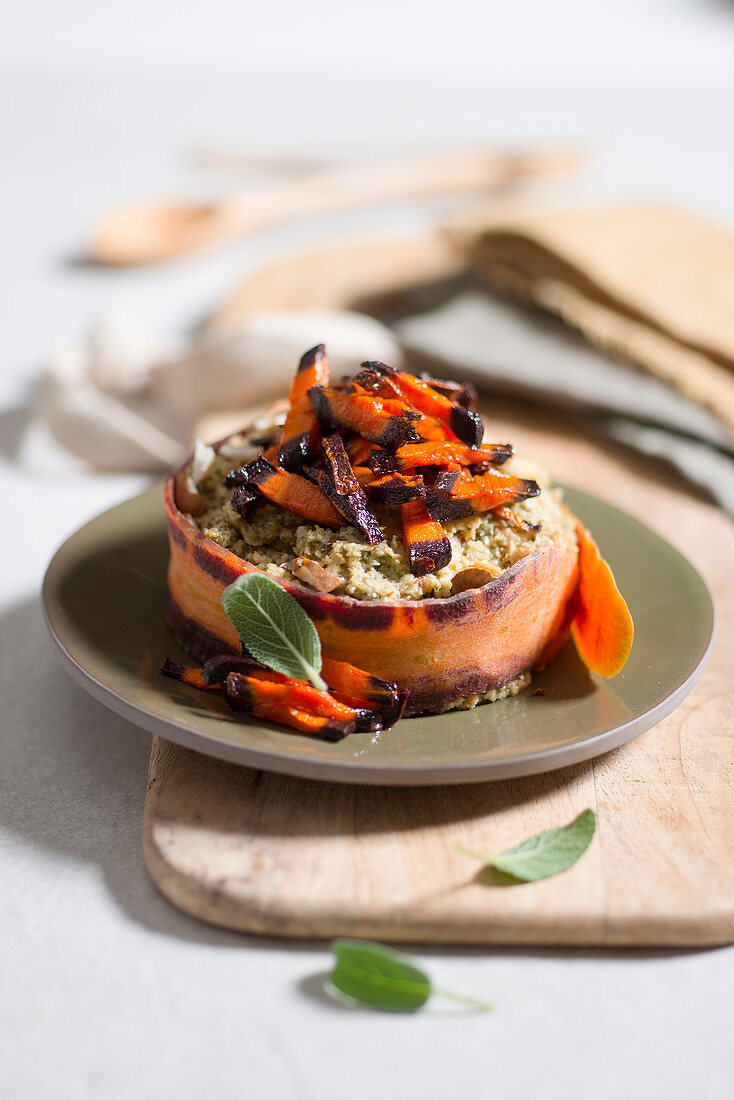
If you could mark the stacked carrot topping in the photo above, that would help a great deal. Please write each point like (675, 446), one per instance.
(382, 438)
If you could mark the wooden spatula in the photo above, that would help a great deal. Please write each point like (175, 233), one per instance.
(150, 232)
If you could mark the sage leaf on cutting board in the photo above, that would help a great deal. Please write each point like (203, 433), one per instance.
(274, 627)
(381, 978)
(546, 854)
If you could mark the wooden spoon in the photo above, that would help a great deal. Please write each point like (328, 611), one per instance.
(148, 232)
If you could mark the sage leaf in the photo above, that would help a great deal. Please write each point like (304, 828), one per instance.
(546, 854)
(381, 978)
(378, 976)
(274, 627)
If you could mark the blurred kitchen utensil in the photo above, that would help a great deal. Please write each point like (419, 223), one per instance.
(213, 158)
(350, 272)
(149, 232)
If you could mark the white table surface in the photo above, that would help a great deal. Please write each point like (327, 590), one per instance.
(106, 991)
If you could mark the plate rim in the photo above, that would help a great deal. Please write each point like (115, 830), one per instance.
(361, 772)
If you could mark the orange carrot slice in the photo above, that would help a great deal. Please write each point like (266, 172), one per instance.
(358, 688)
(290, 491)
(437, 454)
(185, 674)
(380, 420)
(602, 627)
(300, 434)
(464, 424)
(425, 539)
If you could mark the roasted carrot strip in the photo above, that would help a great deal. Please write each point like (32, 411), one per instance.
(359, 449)
(327, 729)
(425, 540)
(313, 370)
(290, 491)
(338, 464)
(383, 421)
(216, 669)
(188, 675)
(463, 393)
(507, 514)
(300, 433)
(245, 499)
(438, 454)
(363, 475)
(433, 431)
(472, 495)
(361, 689)
(263, 688)
(602, 627)
(277, 702)
(466, 425)
(299, 438)
(341, 486)
(392, 489)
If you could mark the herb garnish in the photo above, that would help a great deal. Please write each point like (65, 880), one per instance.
(381, 978)
(546, 854)
(274, 627)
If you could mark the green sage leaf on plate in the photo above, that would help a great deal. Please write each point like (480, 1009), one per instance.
(381, 978)
(274, 627)
(546, 854)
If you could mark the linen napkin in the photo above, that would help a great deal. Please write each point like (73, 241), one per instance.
(650, 284)
(509, 348)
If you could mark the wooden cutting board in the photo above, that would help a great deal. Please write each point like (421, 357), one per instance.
(281, 856)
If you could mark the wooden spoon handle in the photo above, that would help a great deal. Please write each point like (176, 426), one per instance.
(146, 234)
(389, 181)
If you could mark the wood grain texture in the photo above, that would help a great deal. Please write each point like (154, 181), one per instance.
(269, 854)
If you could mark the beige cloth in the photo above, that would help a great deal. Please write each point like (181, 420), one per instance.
(653, 285)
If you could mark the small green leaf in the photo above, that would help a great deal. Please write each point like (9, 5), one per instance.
(274, 627)
(546, 854)
(379, 977)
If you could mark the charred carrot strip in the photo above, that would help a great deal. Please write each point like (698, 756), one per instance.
(299, 437)
(466, 425)
(432, 430)
(438, 454)
(445, 481)
(263, 703)
(342, 487)
(313, 370)
(363, 475)
(602, 627)
(355, 507)
(188, 675)
(472, 495)
(359, 449)
(266, 689)
(371, 709)
(338, 464)
(425, 540)
(392, 489)
(290, 491)
(383, 421)
(216, 669)
(245, 499)
(507, 514)
(361, 689)
(326, 729)
(463, 393)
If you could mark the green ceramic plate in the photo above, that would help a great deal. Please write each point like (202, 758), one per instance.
(103, 597)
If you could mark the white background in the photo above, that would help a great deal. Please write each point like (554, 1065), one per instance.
(105, 990)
